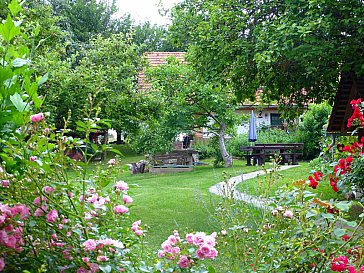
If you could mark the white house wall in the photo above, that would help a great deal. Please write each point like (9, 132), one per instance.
(261, 120)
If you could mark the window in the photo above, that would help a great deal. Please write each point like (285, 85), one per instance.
(275, 120)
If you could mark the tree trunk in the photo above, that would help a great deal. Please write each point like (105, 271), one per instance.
(118, 137)
(228, 160)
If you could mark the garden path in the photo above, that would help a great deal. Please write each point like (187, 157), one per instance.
(228, 189)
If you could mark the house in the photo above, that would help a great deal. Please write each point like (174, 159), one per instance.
(267, 115)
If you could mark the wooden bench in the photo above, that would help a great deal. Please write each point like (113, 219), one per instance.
(174, 161)
(288, 152)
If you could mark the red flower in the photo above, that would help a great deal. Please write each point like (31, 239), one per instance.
(356, 102)
(313, 183)
(339, 264)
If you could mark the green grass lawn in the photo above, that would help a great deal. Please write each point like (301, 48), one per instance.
(171, 201)
(264, 185)
(177, 200)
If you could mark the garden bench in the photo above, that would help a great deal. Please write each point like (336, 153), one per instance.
(174, 161)
(288, 152)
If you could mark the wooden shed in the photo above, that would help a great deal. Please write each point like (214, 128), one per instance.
(350, 87)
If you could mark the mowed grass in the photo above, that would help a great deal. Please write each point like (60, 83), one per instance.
(177, 200)
(266, 185)
(165, 202)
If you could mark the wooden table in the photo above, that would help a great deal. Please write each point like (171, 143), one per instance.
(288, 152)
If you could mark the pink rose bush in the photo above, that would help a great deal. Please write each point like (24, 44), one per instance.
(64, 220)
(186, 253)
(37, 117)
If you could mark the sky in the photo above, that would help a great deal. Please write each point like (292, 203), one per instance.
(145, 10)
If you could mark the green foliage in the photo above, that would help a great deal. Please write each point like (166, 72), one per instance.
(86, 18)
(285, 46)
(204, 148)
(312, 129)
(294, 231)
(19, 82)
(152, 38)
(187, 103)
(107, 70)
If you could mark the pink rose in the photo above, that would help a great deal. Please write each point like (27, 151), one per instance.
(127, 199)
(48, 189)
(138, 232)
(37, 117)
(137, 223)
(52, 215)
(33, 158)
(85, 259)
(5, 183)
(120, 209)
(94, 267)
(190, 237)
(102, 258)
(22, 210)
(121, 186)
(2, 264)
(183, 262)
(112, 162)
(82, 270)
(89, 245)
(288, 214)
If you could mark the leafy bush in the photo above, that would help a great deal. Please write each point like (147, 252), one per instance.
(312, 129)
(292, 232)
(204, 148)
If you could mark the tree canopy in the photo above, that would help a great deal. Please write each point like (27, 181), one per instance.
(185, 103)
(293, 49)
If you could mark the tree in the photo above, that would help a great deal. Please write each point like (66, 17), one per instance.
(185, 103)
(85, 18)
(152, 38)
(294, 49)
(107, 70)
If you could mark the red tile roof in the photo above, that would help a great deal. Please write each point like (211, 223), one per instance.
(156, 59)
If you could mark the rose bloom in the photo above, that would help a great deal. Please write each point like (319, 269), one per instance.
(183, 262)
(48, 189)
(121, 186)
(288, 214)
(138, 232)
(89, 245)
(5, 183)
(33, 158)
(120, 209)
(339, 264)
(127, 199)
(37, 117)
(52, 215)
(112, 162)
(2, 264)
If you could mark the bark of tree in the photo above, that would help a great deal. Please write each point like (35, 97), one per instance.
(228, 160)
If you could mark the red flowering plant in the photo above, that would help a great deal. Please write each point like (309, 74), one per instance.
(347, 173)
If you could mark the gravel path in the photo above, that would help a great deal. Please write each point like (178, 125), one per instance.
(229, 189)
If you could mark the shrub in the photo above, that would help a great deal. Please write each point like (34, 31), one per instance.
(312, 129)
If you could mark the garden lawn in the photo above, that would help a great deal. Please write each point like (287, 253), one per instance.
(177, 200)
(265, 185)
